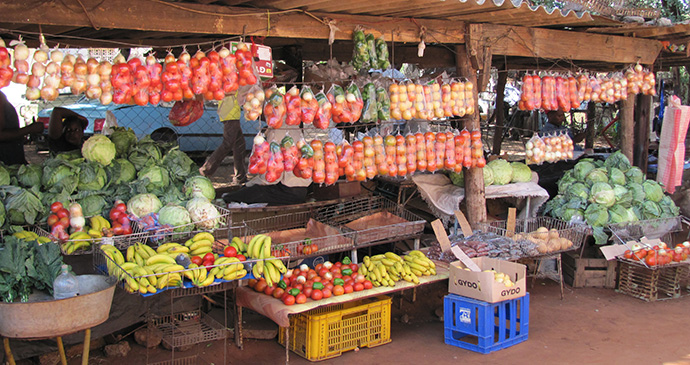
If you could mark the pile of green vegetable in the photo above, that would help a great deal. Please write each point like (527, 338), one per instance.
(369, 52)
(498, 172)
(106, 169)
(27, 265)
(609, 192)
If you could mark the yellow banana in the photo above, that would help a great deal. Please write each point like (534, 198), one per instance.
(208, 281)
(166, 246)
(159, 259)
(77, 245)
(189, 242)
(179, 249)
(149, 251)
(393, 256)
(363, 270)
(388, 262)
(93, 233)
(203, 236)
(150, 276)
(174, 267)
(129, 257)
(104, 222)
(201, 251)
(199, 244)
(279, 265)
(266, 248)
(95, 224)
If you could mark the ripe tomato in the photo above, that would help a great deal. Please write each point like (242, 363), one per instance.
(318, 267)
(348, 288)
(338, 264)
(260, 285)
(358, 287)
(651, 260)
(120, 207)
(64, 222)
(354, 267)
(301, 298)
(307, 291)
(312, 274)
(328, 286)
(197, 260)
(314, 247)
(62, 213)
(368, 285)
(306, 250)
(316, 295)
(56, 207)
(269, 290)
(299, 286)
(241, 258)
(290, 300)
(209, 257)
(338, 290)
(326, 292)
(251, 282)
(322, 271)
(230, 251)
(123, 219)
(278, 293)
(52, 219)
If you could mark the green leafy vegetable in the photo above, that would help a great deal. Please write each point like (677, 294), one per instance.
(179, 164)
(99, 148)
(29, 175)
(124, 139)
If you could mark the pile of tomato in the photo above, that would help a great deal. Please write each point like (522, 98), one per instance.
(658, 255)
(323, 281)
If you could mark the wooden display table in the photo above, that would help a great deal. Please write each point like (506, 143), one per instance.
(280, 313)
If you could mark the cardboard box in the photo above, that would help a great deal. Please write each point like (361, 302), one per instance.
(482, 285)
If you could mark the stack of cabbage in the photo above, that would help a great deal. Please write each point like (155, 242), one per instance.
(609, 192)
(106, 169)
(498, 172)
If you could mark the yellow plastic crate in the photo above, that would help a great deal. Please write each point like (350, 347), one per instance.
(325, 333)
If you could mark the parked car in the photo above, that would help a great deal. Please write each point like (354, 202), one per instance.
(202, 136)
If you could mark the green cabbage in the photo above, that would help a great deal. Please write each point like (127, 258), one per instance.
(4, 176)
(668, 207)
(99, 148)
(635, 175)
(23, 206)
(177, 217)
(199, 186)
(179, 164)
(488, 177)
(618, 160)
(458, 178)
(597, 175)
(602, 193)
(565, 181)
(653, 191)
(158, 178)
(172, 195)
(637, 192)
(521, 172)
(143, 204)
(502, 171)
(651, 210)
(623, 195)
(146, 152)
(573, 215)
(121, 171)
(124, 139)
(203, 213)
(2, 214)
(596, 215)
(91, 176)
(616, 176)
(93, 204)
(620, 214)
(578, 190)
(60, 176)
(582, 169)
(30, 175)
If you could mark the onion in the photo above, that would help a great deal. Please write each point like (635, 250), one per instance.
(20, 78)
(71, 58)
(199, 55)
(93, 79)
(92, 66)
(301, 279)
(22, 66)
(52, 68)
(224, 52)
(80, 68)
(105, 68)
(78, 86)
(259, 139)
(260, 95)
(49, 93)
(304, 267)
(57, 56)
(328, 276)
(169, 58)
(40, 56)
(328, 265)
(288, 274)
(38, 69)
(21, 52)
(52, 81)
(33, 93)
(94, 92)
(106, 98)
(184, 57)
(33, 82)
(119, 59)
(151, 60)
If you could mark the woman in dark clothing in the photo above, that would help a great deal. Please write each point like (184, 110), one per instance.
(11, 136)
(65, 130)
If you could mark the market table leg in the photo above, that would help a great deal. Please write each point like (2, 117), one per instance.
(8, 352)
(87, 346)
(61, 351)
(353, 253)
(287, 344)
(238, 325)
(416, 243)
(559, 267)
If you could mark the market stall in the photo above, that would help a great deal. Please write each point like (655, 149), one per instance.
(144, 255)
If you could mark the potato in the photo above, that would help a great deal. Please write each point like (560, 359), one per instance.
(542, 233)
(542, 248)
(553, 233)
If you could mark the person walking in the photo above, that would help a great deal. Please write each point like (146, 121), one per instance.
(230, 113)
(11, 136)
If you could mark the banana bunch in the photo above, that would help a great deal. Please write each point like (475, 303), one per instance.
(386, 269)
(77, 241)
(270, 268)
(240, 246)
(142, 269)
(228, 268)
(199, 275)
(31, 236)
(200, 244)
(98, 224)
(172, 248)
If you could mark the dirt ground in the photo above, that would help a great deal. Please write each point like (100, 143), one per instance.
(595, 326)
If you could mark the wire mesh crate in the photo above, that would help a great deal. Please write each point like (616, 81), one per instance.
(336, 242)
(218, 225)
(633, 232)
(651, 284)
(343, 214)
(575, 233)
(87, 246)
(188, 328)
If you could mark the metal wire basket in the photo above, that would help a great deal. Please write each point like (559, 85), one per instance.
(341, 214)
(633, 232)
(156, 236)
(339, 242)
(576, 233)
(88, 245)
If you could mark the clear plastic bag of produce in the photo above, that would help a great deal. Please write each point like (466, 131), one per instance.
(573, 93)
(371, 48)
(383, 104)
(230, 80)
(370, 108)
(319, 169)
(258, 160)
(275, 166)
(360, 53)
(410, 152)
(562, 96)
(290, 153)
(274, 108)
(548, 93)
(354, 103)
(248, 74)
(339, 110)
(380, 155)
(305, 165)
(358, 160)
(397, 94)
(331, 163)
(293, 111)
(466, 148)
(469, 98)
(459, 150)
(420, 149)
(457, 94)
(252, 99)
(382, 53)
(345, 154)
(436, 100)
(323, 114)
(308, 104)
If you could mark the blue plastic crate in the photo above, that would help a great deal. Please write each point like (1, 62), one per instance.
(485, 327)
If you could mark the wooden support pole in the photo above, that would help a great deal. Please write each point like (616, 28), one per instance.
(591, 120)
(474, 177)
(500, 111)
(643, 106)
(626, 122)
